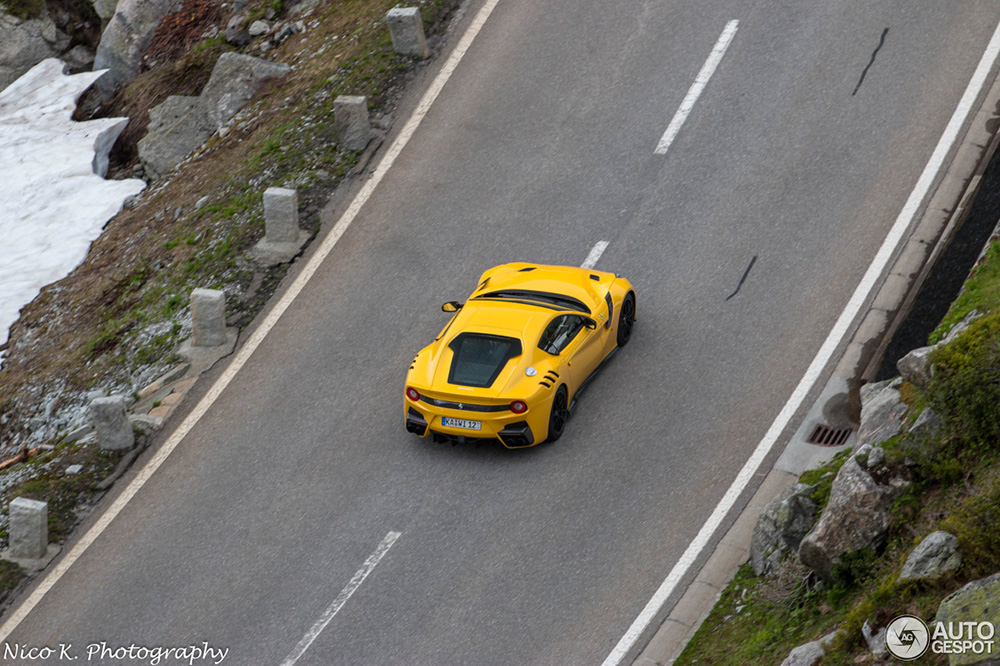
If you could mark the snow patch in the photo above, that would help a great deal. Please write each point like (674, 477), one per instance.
(54, 200)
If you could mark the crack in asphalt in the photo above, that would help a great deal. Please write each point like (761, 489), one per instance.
(871, 62)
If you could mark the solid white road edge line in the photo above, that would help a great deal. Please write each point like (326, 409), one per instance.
(342, 598)
(868, 283)
(714, 58)
(594, 255)
(262, 330)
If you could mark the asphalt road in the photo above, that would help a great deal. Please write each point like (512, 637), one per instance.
(540, 146)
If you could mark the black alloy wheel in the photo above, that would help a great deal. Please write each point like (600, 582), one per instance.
(559, 415)
(626, 319)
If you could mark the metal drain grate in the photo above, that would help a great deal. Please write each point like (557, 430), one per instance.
(824, 435)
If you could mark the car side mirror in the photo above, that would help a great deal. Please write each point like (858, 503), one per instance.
(589, 323)
(451, 306)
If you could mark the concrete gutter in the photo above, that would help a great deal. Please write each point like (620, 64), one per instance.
(839, 402)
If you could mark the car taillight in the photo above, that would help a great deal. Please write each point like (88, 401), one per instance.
(412, 393)
(518, 407)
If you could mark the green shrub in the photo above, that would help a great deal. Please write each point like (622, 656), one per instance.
(974, 524)
(965, 388)
(24, 9)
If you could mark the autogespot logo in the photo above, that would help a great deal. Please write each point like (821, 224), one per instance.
(907, 637)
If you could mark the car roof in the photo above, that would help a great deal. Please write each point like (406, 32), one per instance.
(510, 319)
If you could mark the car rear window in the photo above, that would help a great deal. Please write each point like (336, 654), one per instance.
(479, 358)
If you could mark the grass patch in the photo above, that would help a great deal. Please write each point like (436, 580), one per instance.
(823, 478)
(981, 292)
(965, 388)
(756, 618)
(62, 491)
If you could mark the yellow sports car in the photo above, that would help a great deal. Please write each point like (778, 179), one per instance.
(514, 358)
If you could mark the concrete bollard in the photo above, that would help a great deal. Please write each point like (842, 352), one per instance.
(407, 32)
(283, 240)
(111, 423)
(281, 215)
(29, 528)
(350, 121)
(210, 338)
(208, 318)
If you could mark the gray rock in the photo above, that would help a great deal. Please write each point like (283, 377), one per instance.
(234, 80)
(936, 555)
(145, 422)
(105, 8)
(979, 601)
(875, 640)
(874, 456)
(961, 327)
(74, 469)
(112, 426)
(810, 653)
(79, 58)
(915, 367)
(928, 424)
(176, 127)
(24, 44)
(881, 413)
(258, 28)
(781, 526)
(857, 516)
(238, 37)
(125, 39)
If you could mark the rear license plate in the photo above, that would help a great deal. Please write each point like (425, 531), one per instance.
(461, 423)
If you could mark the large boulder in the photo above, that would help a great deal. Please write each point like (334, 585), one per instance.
(882, 411)
(979, 601)
(176, 127)
(857, 515)
(235, 78)
(916, 366)
(180, 124)
(124, 41)
(105, 8)
(936, 555)
(810, 653)
(25, 43)
(781, 526)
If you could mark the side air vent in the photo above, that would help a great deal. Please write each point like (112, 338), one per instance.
(526, 270)
(595, 278)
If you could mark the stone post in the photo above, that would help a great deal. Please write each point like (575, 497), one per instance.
(111, 423)
(350, 121)
(29, 528)
(281, 215)
(210, 338)
(208, 318)
(407, 32)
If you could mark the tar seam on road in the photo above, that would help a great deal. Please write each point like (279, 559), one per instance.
(714, 58)
(744, 278)
(594, 255)
(870, 62)
(862, 294)
(269, 321)
(342, 598)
